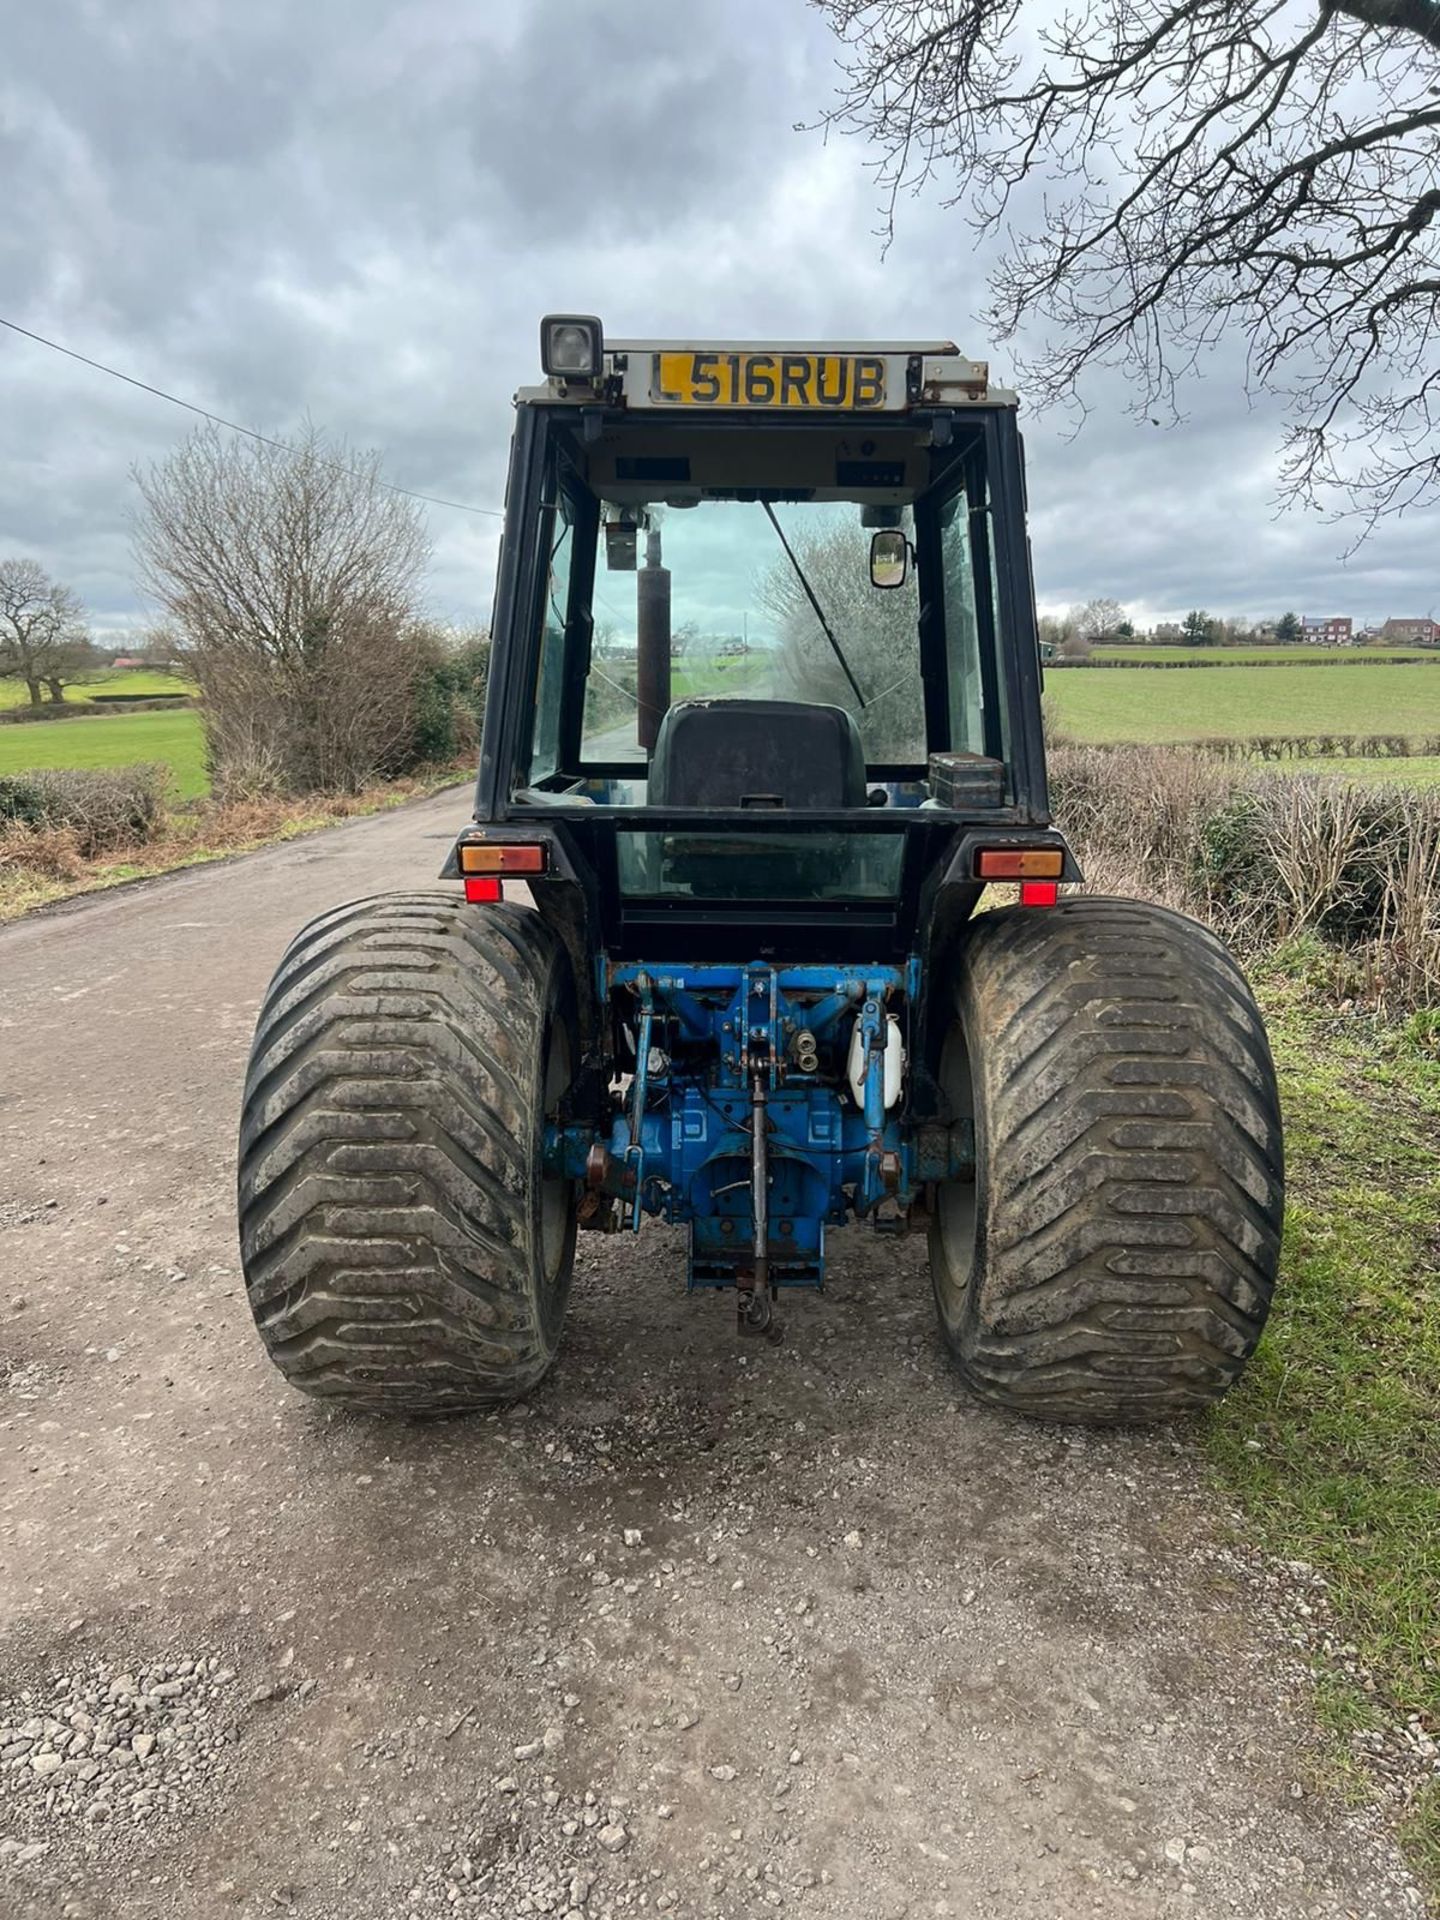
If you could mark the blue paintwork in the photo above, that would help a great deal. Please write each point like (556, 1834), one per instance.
(680, 1148)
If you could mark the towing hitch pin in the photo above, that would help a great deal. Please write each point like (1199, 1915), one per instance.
(759, 1177)
(756, 1312)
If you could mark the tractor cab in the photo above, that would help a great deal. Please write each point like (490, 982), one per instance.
(764, 638)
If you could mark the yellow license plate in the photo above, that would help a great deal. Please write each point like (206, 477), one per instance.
(838, 382)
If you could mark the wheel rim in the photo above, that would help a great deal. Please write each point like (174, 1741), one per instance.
(957, 1202)
(555, 1194)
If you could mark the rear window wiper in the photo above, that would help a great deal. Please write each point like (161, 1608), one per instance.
(810, 596)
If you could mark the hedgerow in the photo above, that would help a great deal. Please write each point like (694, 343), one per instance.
(1268, 859)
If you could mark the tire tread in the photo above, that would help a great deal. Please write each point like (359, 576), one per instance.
(1133, 1164)
(388, 1197)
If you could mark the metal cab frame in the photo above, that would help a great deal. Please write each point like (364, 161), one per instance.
(580, 892)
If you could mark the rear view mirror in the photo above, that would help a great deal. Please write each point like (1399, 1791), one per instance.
(621, 546)
(889, 558)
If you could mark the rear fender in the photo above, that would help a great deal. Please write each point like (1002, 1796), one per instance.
(567, 899)
(948, 903)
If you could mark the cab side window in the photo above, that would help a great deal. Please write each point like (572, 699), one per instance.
(550, 683)
(962, 627)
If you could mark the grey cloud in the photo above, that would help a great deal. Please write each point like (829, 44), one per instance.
(621, 121)
(358, 209)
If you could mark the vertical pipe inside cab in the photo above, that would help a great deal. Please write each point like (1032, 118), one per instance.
(652, 641)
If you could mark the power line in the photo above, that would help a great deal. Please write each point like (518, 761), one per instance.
(233, 426)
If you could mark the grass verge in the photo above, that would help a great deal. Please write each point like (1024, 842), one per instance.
(214, 833)
(1332, 1442)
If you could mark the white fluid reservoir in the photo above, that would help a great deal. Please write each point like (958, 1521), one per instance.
(894, 1063)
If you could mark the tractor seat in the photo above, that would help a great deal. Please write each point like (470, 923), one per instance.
(757, 753)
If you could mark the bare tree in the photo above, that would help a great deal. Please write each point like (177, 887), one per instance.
(1098, 621)
(877, 631)
(1189, 166)
(289, 581)
(43, 637)
(163, 651)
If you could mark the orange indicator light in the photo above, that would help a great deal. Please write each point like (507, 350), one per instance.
(497, 856)
(1020, 863)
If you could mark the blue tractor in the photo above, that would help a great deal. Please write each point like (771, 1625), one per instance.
(762, 751)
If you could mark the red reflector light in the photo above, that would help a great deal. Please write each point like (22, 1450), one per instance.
(1020, 863)
(482, 891)
(481, 856)
(1038, 893)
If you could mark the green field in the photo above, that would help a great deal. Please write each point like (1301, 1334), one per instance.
(1299, 655)
(1229, 703)
(1093, 704)
(14, 693)
(171, 737)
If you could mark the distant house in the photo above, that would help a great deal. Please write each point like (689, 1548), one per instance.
(1410, 633)
(1334, 632)
(123, 661)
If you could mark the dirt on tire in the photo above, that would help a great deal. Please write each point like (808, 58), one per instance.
(402, 1251)
(1115, 1257)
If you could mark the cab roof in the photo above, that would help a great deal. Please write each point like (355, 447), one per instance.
(935, 347)
(768, 380)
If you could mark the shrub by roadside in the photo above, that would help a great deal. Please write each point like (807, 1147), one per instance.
(63, 814)
(1266, 859)
(450, 698)
(49, 820)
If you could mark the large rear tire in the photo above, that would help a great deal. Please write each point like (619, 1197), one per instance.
(1115, 1256)
(402, 1250)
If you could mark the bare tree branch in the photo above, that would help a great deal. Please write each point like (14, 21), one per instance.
(1258, 164)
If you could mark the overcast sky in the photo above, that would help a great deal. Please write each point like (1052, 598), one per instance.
(358, 209)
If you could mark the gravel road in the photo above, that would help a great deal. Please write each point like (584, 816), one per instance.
(703, 1629)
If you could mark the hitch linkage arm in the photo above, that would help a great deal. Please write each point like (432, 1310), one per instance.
(635, 1152)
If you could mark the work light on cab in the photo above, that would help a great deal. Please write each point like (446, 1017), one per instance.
(571, 346)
